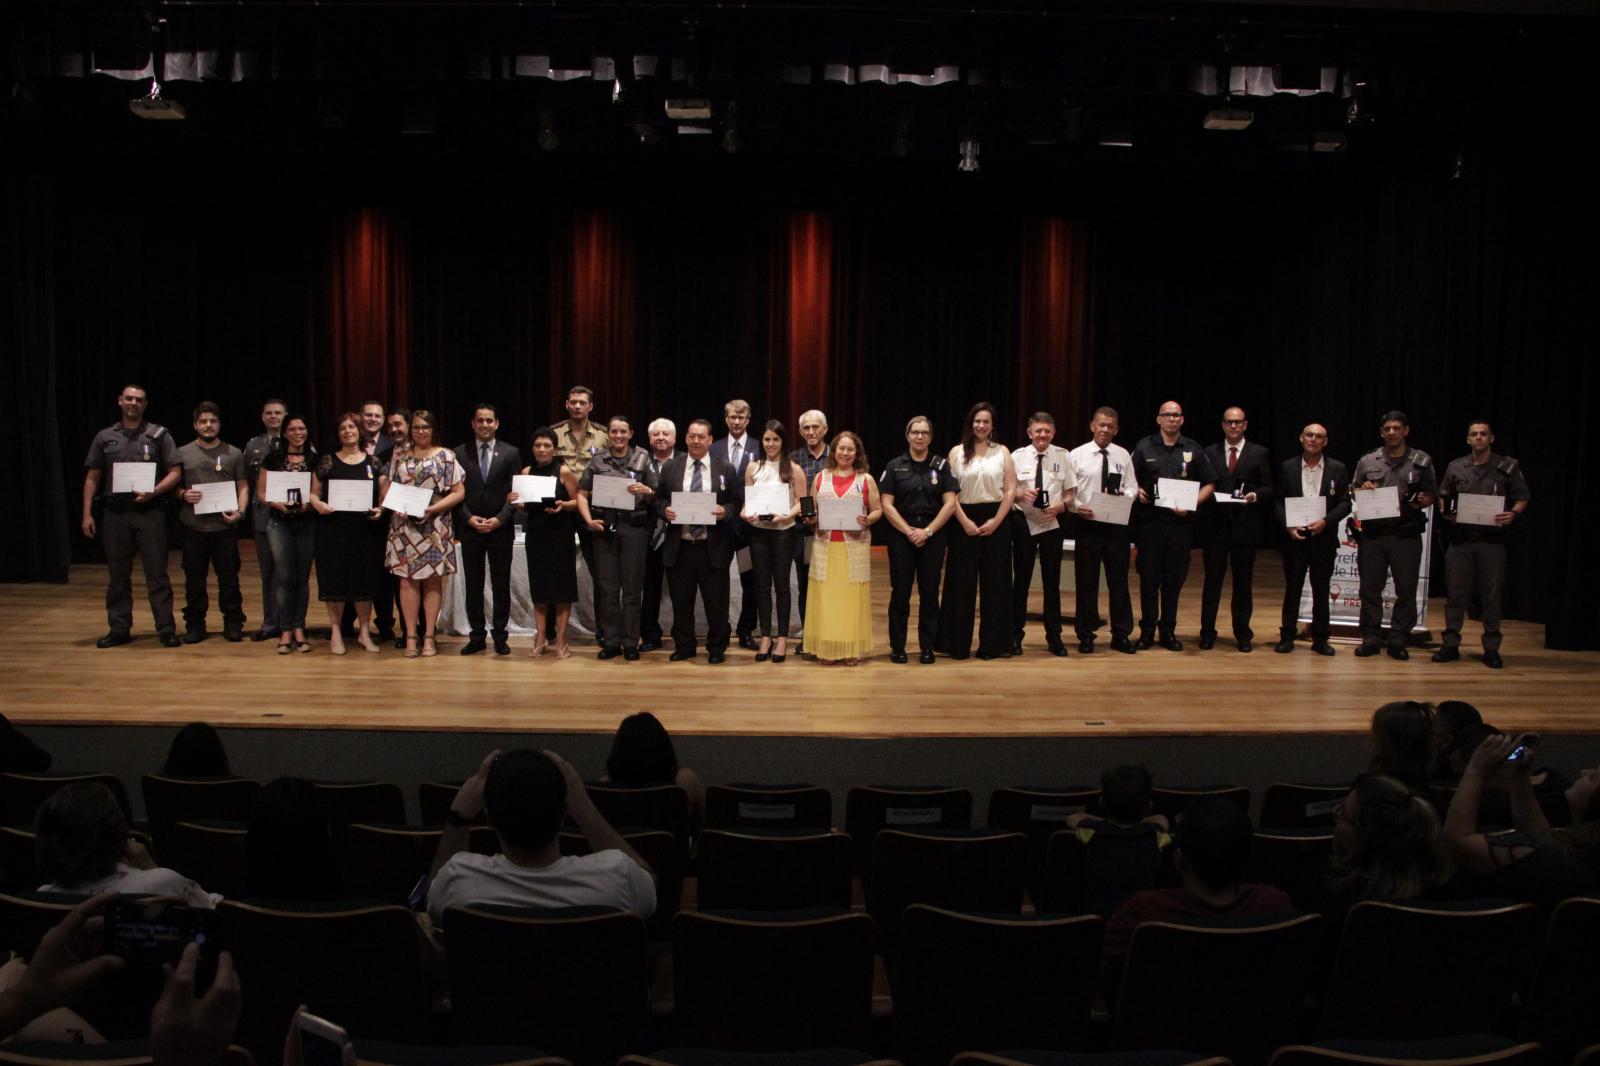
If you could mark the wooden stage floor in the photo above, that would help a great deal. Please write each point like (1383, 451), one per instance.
(53, 674)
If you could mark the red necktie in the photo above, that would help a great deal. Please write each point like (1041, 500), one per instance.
(1233, 458)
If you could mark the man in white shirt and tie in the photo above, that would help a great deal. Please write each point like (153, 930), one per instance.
(737, 449)
(1103, 468)
(1046, 483)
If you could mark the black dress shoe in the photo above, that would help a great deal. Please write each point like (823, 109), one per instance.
(1086, 647)
(1171, 643)
(1447, 655)
(1124, 645)
(1398, 651)
(1146, 643)
(501, 646)
(630, 655)
(898, 656)
(233, 634)
(926, 656)
(1322, 648)
(748, 642)
(1245, 645)
(649, 645)
(385, 635)
(1016, 647)
(715, 657)
(610, 651)
(1208, 641)
(1058, 649)
(473, 646)
(680, 654)
(170, 640)
(194, 636)
(1366, 651)
(1492, 660)
(264, 634)
(114, 638)
(1284, 646)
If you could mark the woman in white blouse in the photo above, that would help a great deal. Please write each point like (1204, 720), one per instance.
(772, 533)
(980, 553)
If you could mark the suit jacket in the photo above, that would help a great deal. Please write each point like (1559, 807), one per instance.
(486, 497)
(1335, 486)
(719, 450)
(1240, 523)
(383, 446)
(722, 479)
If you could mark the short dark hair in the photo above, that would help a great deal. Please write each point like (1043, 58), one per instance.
(491, 408)
(698, 422)
(588, 393)
(1484, 422)
(196, 751)
(372, 403)
(1125, 793)
(642, 752)
(403, 412)
(547, 433)
(289, 847)
(1394, 416)
(525, 798)
(624, 419)
(1042, 416)
(134, 385)
(206, 407)
(270, 400)
(1214, 838)
(79, 835)
(1107, 412)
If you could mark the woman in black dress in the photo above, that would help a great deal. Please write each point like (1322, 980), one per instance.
(549, 539)
(349, 558)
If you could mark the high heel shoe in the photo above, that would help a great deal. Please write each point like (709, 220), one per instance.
(766, 650)
(429, 647)
(411, 647)
(286, 647)
(779, 656)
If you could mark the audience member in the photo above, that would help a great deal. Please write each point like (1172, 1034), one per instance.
(642, 754)
(197, 751)
(82, 846)
(35, 995)
(1451, 718)
(191, 1030)
(525, 795)
(1402, 744)
(18, 753)
(1127, 850)
(289, 849)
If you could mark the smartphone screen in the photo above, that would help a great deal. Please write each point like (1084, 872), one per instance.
(321, 1042)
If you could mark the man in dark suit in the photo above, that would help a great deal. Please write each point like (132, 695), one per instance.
(663, 436)
(1234, 529)
(737, 449)
(1315, 545)
(697, 557)
(483, 522)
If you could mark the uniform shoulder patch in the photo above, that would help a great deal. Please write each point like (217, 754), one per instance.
(156, 432)
(1507, 465)
(1420, 459)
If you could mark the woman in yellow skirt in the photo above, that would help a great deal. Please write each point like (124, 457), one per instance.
(839, 597)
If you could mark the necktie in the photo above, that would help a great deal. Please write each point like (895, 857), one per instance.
(483, 463)
(735, 453)
(1038, 471)
(1105, 470)
(1233, 458)
(697, 484)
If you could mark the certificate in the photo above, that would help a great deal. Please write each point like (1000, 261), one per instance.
(345, 494)
(1377, 503)
(1476, 509)
(133, 477)
(694, 508)
(766, 499)
(217, 497)
(841, 514)
(531, 488)
(1038, 521)
(1177, 494)
(610, 491)
(410, 500)
(279, 482)
(1300, 511)
(1109, 507)
(1227, 497)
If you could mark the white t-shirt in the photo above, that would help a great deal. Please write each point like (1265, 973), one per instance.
(130, 882)
(604, 879)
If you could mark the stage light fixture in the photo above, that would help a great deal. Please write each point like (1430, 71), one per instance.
(969, 155)
(153, 105)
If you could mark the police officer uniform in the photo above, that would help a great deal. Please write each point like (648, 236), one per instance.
(255, 453)
(620, 550)
(576, 451)
(1049, 471)
(919, 489)
(1392, 545)
(1475, 562)
(1164, 538)
(126, 527)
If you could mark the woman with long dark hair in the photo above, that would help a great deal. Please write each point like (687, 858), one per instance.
(349, 570)
(839, 601)
(548, 539)
(979, 554)
(291, 532)
(772, 538)
(420, 551)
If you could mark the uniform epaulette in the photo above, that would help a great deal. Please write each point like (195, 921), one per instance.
(1507, 465)
(1420, 459)
(155, 432)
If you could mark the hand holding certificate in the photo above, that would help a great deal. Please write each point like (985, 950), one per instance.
(217, 497)
(834, 513)
(609, 491)
(694, 508)
(1300, 511)
(1377, 503)
(1110, 507)
(532, 488)
(1476, 509)
(348, 495)
(412, 500)
(279, 482)
(133, 477)
(766, 500)
(1177, 494)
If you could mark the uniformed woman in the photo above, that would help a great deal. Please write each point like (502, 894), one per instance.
(980, 555)
(919, 496)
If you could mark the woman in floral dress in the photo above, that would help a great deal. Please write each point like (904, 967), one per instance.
(419, 551)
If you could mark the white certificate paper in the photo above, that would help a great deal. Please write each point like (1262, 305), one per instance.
(531, 488)
(1038, 521)
(1175, 493)
(1378, 503)
(766, 499)
(1476, 509)
(610, 491)
(410, 500)
(347, 495)
(217, 497)
(694, 508)
(279, 482)
(1110, 507)
(1300, 511)
(133, 477)
(841, 514)
(1227, 497)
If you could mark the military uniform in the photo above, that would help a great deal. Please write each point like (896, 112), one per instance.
(1392, 545)
(209, 542)
(1163, 537)
(1475, 563)
(256, 451)
(126, 527)
(620, 551)
(918, 488)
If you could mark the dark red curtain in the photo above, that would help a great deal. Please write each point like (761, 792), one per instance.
(593, 317)
(367, 349)
(1053, 324)
(805, 339)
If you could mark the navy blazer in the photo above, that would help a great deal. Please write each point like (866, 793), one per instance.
(1335, 486)
(724, 481)
(487, 498)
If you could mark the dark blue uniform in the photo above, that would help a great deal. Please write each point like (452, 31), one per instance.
(1164, 538)
(919, 490)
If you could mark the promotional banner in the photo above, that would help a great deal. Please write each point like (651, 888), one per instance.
(1344, 594)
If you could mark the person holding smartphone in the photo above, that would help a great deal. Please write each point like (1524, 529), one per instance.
(290, 532)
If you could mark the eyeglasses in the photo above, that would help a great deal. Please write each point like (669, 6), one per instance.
(1233, 421)
(1313, 436)
(1170, 414)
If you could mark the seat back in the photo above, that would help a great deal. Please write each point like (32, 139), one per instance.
(117, 1053)
(629, 807)
(972, 982)
(434, 799)
(168, 800)
(368, 802)
(1397, 973)
(214, 855)
(1236, 987)
(1036, 812)
(976, 870)
(1172, 802)
(1469, 1050)
(575, 985)
(21, 794)
(18, 870)
(772, 871)
(779, 983)
(748, 806)
(1098, 877)
(385, 862)
(1292, 806)
(1564, 1002)
(869, 808)
(354, 963)
(661, 852)
(1288, 857)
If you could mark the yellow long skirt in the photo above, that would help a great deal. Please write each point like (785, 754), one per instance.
(838, 611)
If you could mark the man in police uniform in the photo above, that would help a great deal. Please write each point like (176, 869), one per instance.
(1476, 560)
(578, 441)
(621, 537)
(1165, 535)
(1393, 545)
(1045, 485)
(1235, 527)
(919, 496)
(132, 521)
(256, 450)
(210, 540)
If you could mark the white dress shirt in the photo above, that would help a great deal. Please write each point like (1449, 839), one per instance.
(984, 479)
(1310, 478)
(1086, 462)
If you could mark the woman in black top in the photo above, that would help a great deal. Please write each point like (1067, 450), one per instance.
(349, 558)
(291, 533)
(552, 551)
